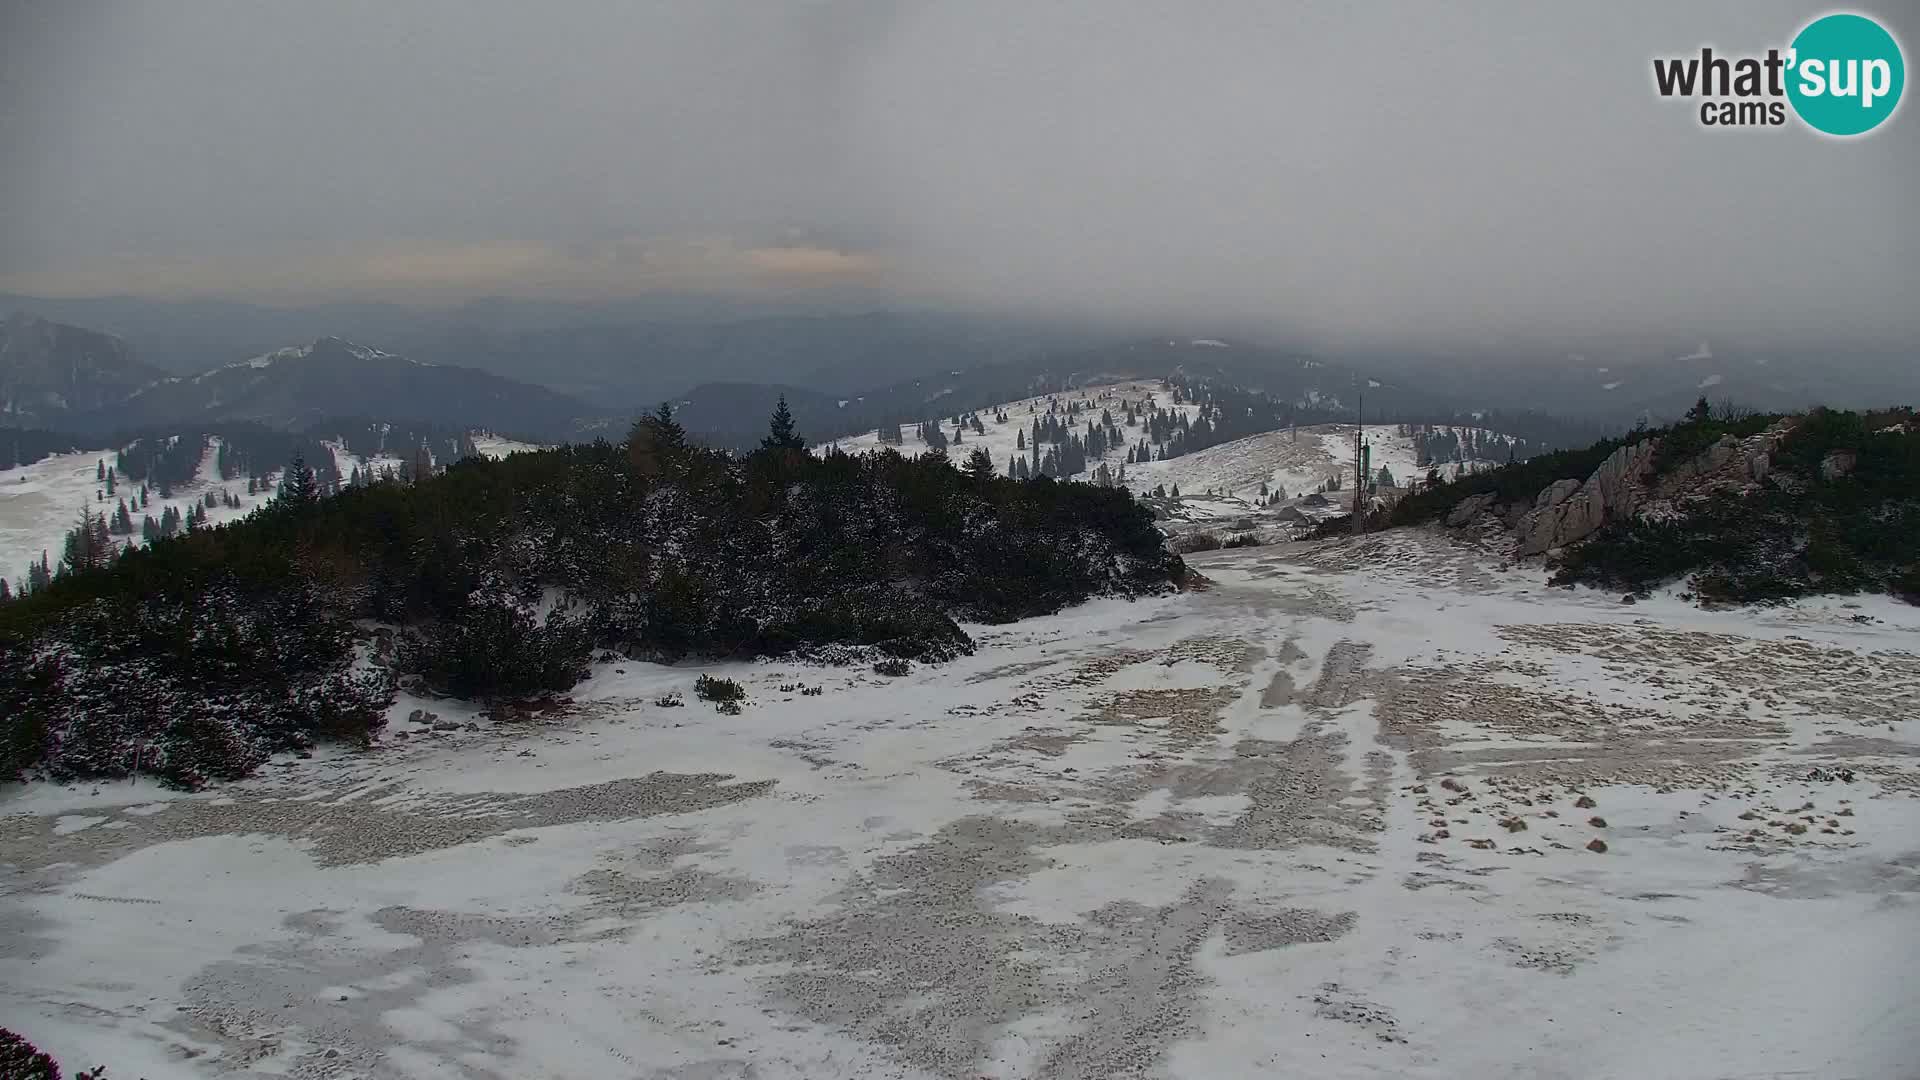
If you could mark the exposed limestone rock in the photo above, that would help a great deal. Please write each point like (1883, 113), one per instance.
(1837, 463)
(1468, 509)
(1569, 510)
(1556, 493)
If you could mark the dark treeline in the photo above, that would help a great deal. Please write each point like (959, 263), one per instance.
(28, 446)
(199, 655)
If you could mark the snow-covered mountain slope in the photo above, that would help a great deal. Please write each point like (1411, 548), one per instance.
(40, 502)
(1218, 481)
(1003, 441)
(1373, 810)
(495, 446)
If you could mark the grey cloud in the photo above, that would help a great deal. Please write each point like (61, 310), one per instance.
(1376, 172)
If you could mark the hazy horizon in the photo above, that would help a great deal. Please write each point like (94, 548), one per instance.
(1395, 173)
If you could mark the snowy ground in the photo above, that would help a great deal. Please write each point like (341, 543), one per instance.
(1328, 817)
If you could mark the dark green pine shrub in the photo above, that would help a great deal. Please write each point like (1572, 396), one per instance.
(494, 649)
(708, 688)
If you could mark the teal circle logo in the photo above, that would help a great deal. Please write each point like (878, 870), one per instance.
(1845, 74)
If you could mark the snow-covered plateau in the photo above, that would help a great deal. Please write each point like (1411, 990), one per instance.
(1374, 808)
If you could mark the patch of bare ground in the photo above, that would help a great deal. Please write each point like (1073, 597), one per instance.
(1230, 655)
(365, 829)
(1182, 718)
(1695, 668)
(916, 957)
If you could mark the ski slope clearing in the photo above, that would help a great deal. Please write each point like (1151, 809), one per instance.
(39, 503)
(494, 446)
(1358, 809)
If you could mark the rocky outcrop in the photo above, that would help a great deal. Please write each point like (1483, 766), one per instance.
(1568, 511)
(1468, 509)
(1571, 510)
(1838, 464)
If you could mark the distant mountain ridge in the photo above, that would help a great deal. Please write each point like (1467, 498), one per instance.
(296, 387)
(50, 371)
(72, 379)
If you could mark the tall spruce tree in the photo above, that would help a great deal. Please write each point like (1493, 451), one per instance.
(298, 487)
(89, 545)
(780, 434)
(657, 444)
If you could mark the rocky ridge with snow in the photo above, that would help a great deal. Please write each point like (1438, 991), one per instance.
(1568, 511)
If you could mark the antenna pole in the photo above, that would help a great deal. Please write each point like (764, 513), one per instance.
(1359, 480)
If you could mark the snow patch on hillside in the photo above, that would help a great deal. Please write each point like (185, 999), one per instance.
(40, 503)
(494, 446)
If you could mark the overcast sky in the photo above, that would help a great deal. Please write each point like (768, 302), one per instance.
(1357, 171)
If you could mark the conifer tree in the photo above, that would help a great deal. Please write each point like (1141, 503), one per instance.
(979, 464)
(89, 544)
(780, 434)
(657, 444)
(298, 486)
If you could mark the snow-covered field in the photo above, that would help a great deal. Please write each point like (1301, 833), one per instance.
(1329, 817)
(495, 446)
(39, 503)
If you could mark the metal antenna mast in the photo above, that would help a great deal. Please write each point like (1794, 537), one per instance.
(1359, 469)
